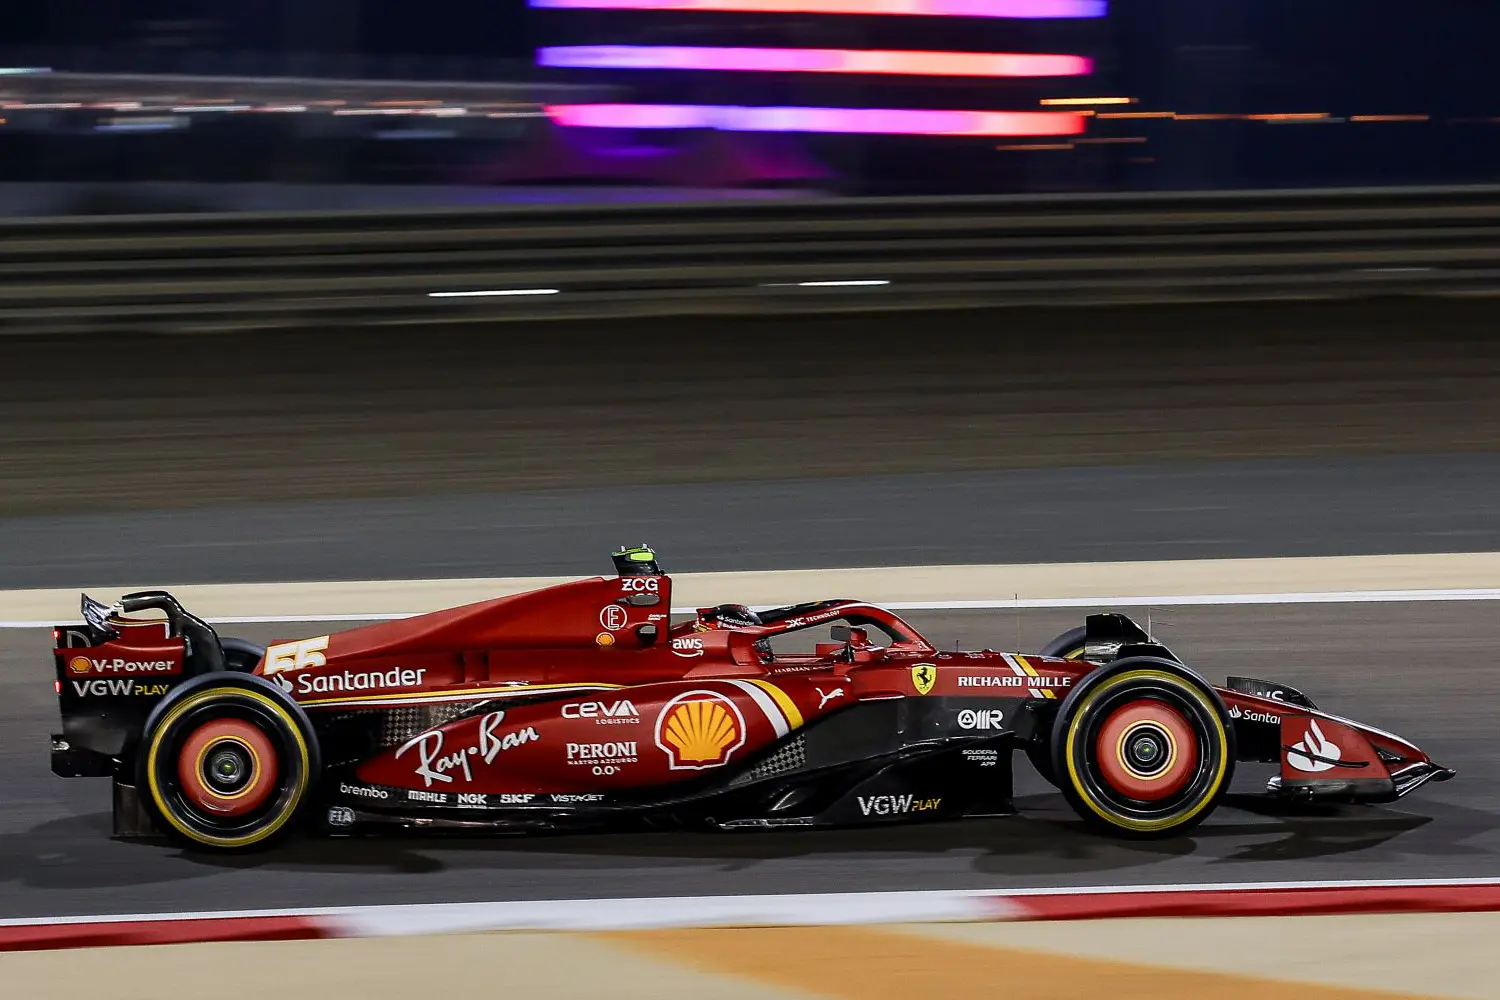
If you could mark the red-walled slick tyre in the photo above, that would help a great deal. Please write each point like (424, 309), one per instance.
(1143, 748)
(227, 762)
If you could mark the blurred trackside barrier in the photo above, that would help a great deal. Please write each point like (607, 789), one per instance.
(198, 271)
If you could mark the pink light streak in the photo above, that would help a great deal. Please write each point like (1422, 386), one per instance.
(978, 64)
(924, 8)
(867, 121)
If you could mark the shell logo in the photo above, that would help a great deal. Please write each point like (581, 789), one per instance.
(79, 665)
(699, 730)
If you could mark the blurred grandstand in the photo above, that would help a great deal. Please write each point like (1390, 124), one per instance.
(669, 100)
(195, 131)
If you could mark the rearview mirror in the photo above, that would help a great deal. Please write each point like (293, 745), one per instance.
(840, 633)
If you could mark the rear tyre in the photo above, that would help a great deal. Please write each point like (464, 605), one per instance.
(241, 655)
(227, 762)
(1068, 646)
(1143, 748)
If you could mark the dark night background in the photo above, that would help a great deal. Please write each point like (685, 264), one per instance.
(425, 27)
(1357, 57)
(1235, 59)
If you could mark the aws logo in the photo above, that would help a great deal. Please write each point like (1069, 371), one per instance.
(699, 730)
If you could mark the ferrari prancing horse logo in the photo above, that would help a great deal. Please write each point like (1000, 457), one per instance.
(923, 676)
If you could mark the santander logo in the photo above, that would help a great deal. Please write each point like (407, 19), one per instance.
(1314, 743)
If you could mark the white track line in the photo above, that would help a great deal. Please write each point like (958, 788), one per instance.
(600, 914)
(1012, 604)
(819, 908)
(1321, 579)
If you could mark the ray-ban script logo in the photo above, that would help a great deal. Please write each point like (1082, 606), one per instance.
(433, 764)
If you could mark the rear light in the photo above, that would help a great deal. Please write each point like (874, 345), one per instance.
(56, 638)
(57, 687)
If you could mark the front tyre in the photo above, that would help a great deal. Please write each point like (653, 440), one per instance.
(227, 762)
(1143, 748)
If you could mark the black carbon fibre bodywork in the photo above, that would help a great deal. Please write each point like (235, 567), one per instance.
(876, 762)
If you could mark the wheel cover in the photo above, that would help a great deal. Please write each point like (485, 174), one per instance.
(227, 767)
(1147, 750)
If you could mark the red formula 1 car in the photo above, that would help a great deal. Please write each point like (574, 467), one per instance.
(583, 706)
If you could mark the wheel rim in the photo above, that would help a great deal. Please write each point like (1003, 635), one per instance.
(1142, 751)
(228, 769)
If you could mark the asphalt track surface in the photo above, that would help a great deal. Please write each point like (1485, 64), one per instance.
(1425, 671)
(101, 424)
(1290, 507)
(1025, 436)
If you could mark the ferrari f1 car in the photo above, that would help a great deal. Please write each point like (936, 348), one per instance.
(584, 706)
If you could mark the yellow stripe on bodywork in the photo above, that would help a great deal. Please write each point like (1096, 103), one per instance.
(783, 701)
(420, 696)
(1031, 671)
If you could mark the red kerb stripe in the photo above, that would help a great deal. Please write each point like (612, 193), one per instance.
(103, 934)
(1255, 902)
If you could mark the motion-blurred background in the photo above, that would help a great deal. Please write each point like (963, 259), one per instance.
(199, 104)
